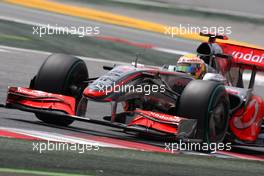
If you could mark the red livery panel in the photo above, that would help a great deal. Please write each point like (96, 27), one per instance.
(158, 121)
(41, 100)
(244, 55)
(246, 122)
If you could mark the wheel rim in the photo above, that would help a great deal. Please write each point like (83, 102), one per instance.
(217, 123)
(75, 80)
(82, 107)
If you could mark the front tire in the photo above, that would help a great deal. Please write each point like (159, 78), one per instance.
(208, 102)
(61, 74)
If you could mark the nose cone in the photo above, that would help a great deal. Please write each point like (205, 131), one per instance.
(97, 94)
(90, 92)
(107, 85)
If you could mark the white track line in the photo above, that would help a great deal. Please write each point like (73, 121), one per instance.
(5, 51)
(55, 137)
(24, 50)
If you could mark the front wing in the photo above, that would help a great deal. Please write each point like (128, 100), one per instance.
(140, 121)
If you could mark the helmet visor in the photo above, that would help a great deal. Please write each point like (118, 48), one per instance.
(187, 68)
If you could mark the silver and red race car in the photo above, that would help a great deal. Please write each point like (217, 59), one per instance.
(156, 101)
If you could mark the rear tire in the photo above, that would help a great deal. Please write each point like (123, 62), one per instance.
(61, 74)
(208, 102)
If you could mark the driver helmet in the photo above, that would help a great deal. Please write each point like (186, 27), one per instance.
(191, 64)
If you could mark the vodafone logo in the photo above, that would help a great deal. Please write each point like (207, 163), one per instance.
(165, 117)
(32, 92)
(160, 116)
(249, 56)
(24, 91)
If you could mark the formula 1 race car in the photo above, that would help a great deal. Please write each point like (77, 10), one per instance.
(156, 101)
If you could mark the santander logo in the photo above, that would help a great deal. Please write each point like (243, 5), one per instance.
(249, 56)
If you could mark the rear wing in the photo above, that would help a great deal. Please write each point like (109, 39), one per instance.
(243, 56)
